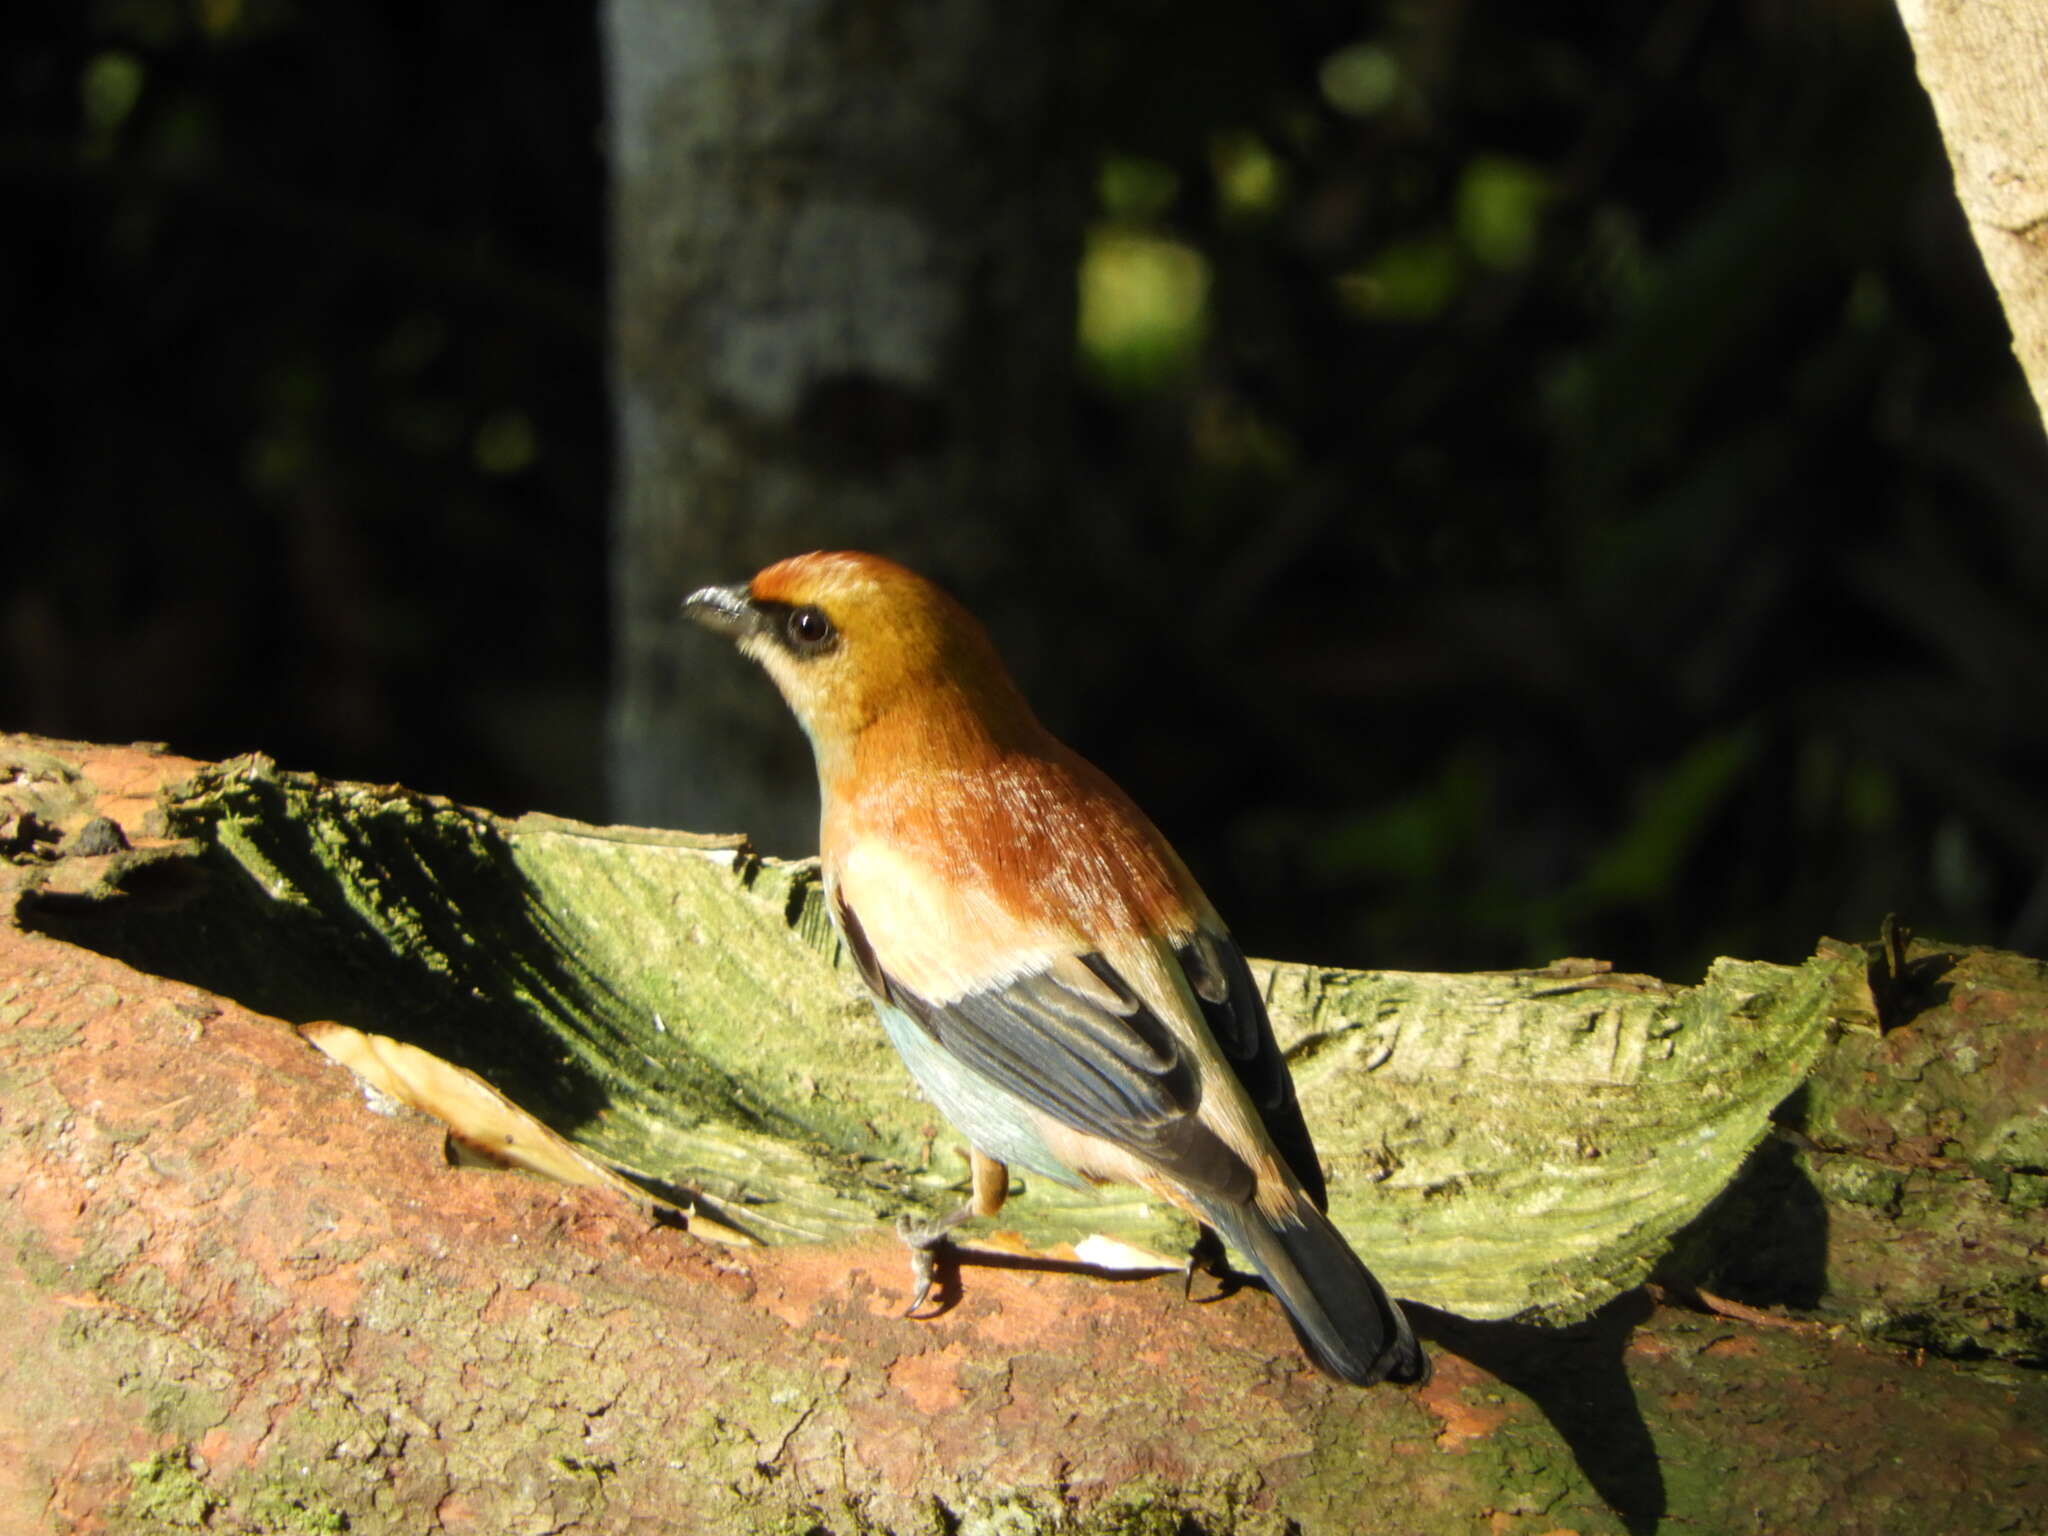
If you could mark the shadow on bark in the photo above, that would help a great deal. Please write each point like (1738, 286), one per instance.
(1578, 1379)
(1764, 1240)
(481, 983)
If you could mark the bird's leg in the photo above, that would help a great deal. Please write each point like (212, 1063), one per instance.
(1206, 1254)
(991, 1186)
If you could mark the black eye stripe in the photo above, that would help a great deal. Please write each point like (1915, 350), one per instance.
(803, 629)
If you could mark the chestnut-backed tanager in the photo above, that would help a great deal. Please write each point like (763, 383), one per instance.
(1047, 967)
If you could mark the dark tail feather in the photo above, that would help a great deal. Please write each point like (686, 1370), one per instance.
(1347, 1323)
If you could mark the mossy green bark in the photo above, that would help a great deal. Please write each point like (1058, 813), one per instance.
(1916, 1160)
(1514, 1145)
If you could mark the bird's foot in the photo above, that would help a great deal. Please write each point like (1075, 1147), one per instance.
(1206, 1255)
(924, 1238)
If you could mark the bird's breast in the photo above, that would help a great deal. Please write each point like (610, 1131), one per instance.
(962, 876)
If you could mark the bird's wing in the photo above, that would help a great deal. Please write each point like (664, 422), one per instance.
(1236, 1014)
(1073, 1039)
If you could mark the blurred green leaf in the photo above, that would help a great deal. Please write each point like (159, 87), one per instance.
(1144, 307)
(1250, 180)
(108, 90)
(1411, 280)
(1419, 837)
(1500, 210)
(1674, 813)
(1870, 797)
(1135, 189)
(1360, 80)
(220, 18)
(505, 444)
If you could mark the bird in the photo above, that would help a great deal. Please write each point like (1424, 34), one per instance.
(1041, 958)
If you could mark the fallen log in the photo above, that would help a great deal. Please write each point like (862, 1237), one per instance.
(242, 1298)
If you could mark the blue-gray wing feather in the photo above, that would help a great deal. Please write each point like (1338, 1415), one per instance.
(1118, 1073)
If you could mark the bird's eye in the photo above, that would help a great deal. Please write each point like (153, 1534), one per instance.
(809, 629)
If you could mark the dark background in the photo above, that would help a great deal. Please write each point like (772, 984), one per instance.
(1559, 481)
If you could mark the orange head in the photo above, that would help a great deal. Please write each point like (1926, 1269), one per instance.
(854, 640)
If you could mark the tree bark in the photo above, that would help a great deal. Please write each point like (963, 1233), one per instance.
(844, 250)
(1986, 69)
(237, 1297)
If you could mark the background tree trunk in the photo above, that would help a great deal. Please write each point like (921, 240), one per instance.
(1986, 69)
(844, 242)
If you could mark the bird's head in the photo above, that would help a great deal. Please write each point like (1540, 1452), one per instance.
(853, 639)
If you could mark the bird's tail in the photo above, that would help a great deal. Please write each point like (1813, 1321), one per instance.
(1346, 1321)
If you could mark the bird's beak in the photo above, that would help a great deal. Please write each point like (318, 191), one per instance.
(728, 610)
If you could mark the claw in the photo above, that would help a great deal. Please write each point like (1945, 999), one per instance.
(924, 1239)
(923, 1271)
(1206, 1254)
